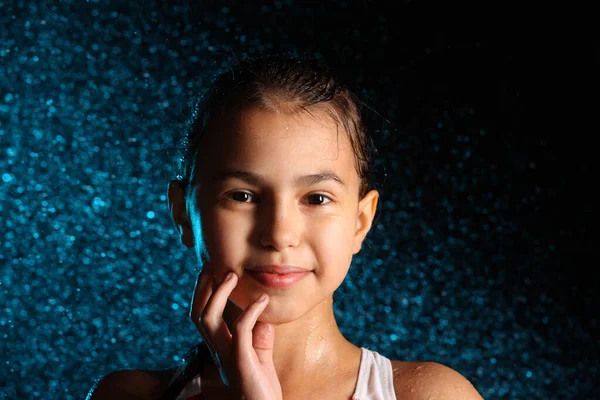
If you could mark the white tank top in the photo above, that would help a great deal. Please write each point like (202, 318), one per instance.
(375, 380)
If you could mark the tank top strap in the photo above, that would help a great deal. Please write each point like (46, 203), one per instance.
(375, 377)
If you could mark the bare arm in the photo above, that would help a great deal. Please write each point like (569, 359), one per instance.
(427, 380)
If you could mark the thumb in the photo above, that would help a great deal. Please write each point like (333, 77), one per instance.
(263, 338)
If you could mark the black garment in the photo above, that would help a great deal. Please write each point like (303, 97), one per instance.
(194, 362)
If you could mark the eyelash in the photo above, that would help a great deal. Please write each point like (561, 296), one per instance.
(229, 195)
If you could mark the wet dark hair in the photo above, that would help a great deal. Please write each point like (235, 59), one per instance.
(281, 83)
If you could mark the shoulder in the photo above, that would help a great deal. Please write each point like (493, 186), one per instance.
(131, 385)
(425, 380)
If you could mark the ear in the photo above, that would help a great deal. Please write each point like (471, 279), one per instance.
(176, 199)
(366, 212)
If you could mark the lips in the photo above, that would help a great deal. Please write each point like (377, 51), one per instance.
(277, 269)
(277, 276)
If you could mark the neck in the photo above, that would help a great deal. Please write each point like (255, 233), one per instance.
(312, 349)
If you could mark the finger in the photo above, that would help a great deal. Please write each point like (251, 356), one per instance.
(212, 317)
(263, 340)
(263, 336)
(243, 340)
(205, 287)
(202, 293)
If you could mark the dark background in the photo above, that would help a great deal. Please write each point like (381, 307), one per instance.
(481, 258)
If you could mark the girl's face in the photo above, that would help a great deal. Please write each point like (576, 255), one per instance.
(279, 189)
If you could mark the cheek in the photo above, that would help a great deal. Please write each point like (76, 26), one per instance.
(225, 237)
(332, 240)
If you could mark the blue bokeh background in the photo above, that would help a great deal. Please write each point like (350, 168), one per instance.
(479, 259)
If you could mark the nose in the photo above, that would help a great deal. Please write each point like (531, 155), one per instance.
(280, 225)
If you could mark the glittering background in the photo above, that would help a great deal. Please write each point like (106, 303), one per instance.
(480, 258)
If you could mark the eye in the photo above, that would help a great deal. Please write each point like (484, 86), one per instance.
(319, 199)
(240, 197)
(315, 199)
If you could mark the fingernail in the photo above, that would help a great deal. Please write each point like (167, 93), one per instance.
(262, 298)
(228, 276)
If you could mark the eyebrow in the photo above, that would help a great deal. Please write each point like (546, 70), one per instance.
(252, 178)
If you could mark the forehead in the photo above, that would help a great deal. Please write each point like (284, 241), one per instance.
(277, 145)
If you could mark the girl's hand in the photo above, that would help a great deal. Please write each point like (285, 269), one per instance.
(240, 345)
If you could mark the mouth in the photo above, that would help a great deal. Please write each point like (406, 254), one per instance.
(278, 277)
(277, 269)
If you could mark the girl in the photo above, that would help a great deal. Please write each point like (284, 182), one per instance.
(274, 195)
